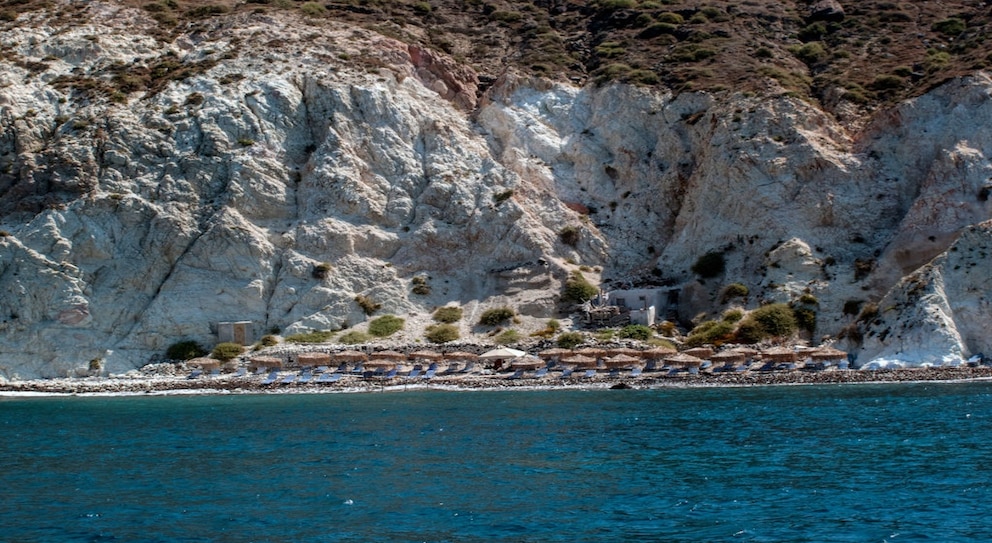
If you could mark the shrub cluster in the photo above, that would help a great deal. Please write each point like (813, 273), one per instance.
(441, 333)
(711, 333)
(321, 271)
(570, 340)
(385, 325)
(772, 320)
(367, 304)
(355, 337)
(635, 331)
(496, 316)
(507, 337)
(732, 291)
(578, 289)
(313, 336)
(185, 350)
(226, 351)
(448, 314)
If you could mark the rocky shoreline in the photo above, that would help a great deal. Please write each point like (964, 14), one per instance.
(253, 384)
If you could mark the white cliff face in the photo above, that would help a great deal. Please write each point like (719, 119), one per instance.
(135, 224)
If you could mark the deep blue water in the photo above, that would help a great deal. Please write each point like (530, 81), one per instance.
(864, 463)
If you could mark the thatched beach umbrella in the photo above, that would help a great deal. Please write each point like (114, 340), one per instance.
(779, 354)
(205, 364)
(265, 363)
(526, 363)
(684, 360)
(554, 354)
(626, 351)
(622, 361)
(431, 356)
(728, 358)
(580, 361)
(828, 354)
(313, 359)
(387, 355)
(658, 353)
(700, 352)
(351, 356)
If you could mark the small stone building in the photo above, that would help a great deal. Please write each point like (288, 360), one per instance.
(240, 332)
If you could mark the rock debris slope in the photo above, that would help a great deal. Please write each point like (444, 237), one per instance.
(148, 191)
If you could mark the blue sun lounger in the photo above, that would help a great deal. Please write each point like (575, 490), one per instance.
(288, 379)
(271, 378)
(541, 373)
(636, 371)
(589, 374)
(194, 374)
(566, 373)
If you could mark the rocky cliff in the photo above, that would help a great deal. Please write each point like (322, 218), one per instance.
(257, 167)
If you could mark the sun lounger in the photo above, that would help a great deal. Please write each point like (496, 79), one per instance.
(241, 372)
(589, 374)
(305, 378)
(288, 379)
(194, 374)
(614, 372)
(635, 372)
(215, 372)
(416, 372)
(320, 369)
(260, 370)
(271, 378)
(328, 377)
(431, 370)
(391, 373)
(566, 373)
(517, 375)
(694, 370)
(541, 373)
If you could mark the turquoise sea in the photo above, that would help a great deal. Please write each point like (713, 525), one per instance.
(858, 463)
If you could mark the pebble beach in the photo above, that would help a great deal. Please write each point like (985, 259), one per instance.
(139, 382)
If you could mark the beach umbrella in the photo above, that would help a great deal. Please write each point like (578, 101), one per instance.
(387, 355)
(265, 362)
(425, 355)
(313, 359)
(658, 353)
(526, 363)
(502, 353)
(700, 352)
(779, 354)
(621, 361)
(828, 354)
(580, 361)
(626, 351)
(350, 356)
(554, 354)
(683, 360)
(728, 357)
(594, 352)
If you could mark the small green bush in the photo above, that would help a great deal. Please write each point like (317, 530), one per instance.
(578, 289)
(570, 340)
(313, 9)
(732, 291)
(321, 271)
(507, 337)
(670, 18)
(448, 314)
(709, 265)
(354, 337)
(635, 331)
(808, 299)
(226, 351)
(185, 350)
(385, 325)
(949, 27)
(887, 82)
(207, 11)
(314, 336)
(368, 305)
(269, 340)
(657, 29)
(852, 307)
(500, 197)
(773, 320)
(733, 315)
(810, 53)
(616, 4)
(441, 333)
(420, 286)
(711, 333)
(805, 318)
(569, 235)
(496, 316)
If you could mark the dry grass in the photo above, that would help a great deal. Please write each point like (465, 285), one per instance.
(755, 45)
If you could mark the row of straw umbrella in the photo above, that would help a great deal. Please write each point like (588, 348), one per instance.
(586, 358)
